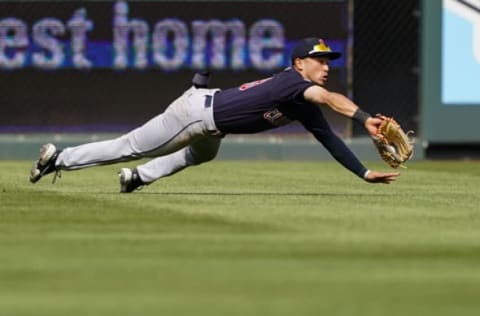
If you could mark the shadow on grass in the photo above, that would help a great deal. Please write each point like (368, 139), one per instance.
(261, 193)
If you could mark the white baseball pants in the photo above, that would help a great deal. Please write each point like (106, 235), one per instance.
(184, 135)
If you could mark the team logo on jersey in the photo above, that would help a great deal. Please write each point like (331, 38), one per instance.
(276, 118)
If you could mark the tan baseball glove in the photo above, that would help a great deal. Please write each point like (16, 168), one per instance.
(393, 144)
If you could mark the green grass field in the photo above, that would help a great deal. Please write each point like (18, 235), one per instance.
(242, 238)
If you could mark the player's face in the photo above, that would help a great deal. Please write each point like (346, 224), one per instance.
(315, 69)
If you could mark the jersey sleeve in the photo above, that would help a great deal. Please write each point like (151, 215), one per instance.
(289, 87)
(313, 120)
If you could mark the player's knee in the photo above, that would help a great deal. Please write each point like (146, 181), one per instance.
(204, 150)
(210, 156)
(199, 158)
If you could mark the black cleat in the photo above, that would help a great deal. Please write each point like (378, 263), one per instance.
(45, 163)
(129, 180)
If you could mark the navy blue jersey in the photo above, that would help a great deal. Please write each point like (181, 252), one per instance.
(275, 101)
(257, 106)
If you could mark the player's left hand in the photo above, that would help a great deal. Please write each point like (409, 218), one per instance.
(372, 124)
(381, 177)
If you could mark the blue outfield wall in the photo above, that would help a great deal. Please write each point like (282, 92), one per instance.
(242, 147)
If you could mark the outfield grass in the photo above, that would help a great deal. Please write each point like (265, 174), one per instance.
(242, 238)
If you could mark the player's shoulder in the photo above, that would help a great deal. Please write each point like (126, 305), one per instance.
(289, 72)
(289, 76)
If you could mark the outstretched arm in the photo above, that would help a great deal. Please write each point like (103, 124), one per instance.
(342, 154)
(343, 105)
(336, 101)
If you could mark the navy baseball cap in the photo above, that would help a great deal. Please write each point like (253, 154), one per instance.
(313, 47)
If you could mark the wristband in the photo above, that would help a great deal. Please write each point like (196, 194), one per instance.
(366, 174)
(360, 116)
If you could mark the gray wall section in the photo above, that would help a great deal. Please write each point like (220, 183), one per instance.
(243, 147)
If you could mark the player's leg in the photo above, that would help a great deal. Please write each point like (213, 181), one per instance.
(163, 134)
(186, 120)
(198, 152)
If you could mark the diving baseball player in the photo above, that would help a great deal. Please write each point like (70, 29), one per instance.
(190, 130)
